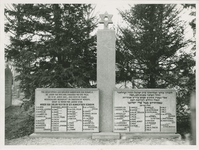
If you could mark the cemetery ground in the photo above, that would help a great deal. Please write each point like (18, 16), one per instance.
(19, 125)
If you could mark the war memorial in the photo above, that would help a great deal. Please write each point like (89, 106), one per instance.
(105, 112)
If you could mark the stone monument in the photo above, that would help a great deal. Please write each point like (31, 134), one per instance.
(105, 112)
(65, 112)
(106, 72)
(106, 77)
(53, 106)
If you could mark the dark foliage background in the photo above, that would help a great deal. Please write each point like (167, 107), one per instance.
(51, 45)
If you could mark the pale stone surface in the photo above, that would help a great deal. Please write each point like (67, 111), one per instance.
(106, 19)
(106, 77)
(193, 116)
(151, 135)
(62, 135)
(106, 135)
(66, 110)
(145, 110)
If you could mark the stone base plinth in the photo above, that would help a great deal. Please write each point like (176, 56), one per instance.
(62, 135)
(147, 135)
(106, 135)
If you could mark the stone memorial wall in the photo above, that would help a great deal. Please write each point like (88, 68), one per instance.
(145, 110)
(66, 110)
(122, 113)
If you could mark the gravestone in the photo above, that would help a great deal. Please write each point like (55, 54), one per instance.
(8, 87)
(193, 116)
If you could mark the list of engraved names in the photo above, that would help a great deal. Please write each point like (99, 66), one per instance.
(144, 111)
(66, 110)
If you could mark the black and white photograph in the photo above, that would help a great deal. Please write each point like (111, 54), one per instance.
(99, 74)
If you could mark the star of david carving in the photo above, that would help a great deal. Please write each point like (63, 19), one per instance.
(106, 19)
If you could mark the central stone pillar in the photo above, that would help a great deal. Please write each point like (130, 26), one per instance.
(106, 77)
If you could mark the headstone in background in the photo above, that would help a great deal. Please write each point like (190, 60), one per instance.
(145, 111)
(8, 87)
(66, 110)
(16, 88)
(193, 117)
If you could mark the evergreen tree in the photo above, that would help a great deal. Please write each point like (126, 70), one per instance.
(51, 45)
(150, 47)
(151, 54)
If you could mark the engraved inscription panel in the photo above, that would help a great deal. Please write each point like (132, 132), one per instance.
(145, 110)
(66, 110)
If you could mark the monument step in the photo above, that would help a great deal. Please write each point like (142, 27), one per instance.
(151, 135)
(106, 135)
(62, 135)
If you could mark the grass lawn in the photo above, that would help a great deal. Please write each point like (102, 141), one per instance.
(17, 123)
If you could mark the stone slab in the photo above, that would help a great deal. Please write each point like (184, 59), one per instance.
(61, 135)
(145, 110)
(66, 110)
(103, 135)
(149, 135)
(106, 77)
(106, 135)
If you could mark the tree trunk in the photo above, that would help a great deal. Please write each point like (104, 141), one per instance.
(152, 82)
